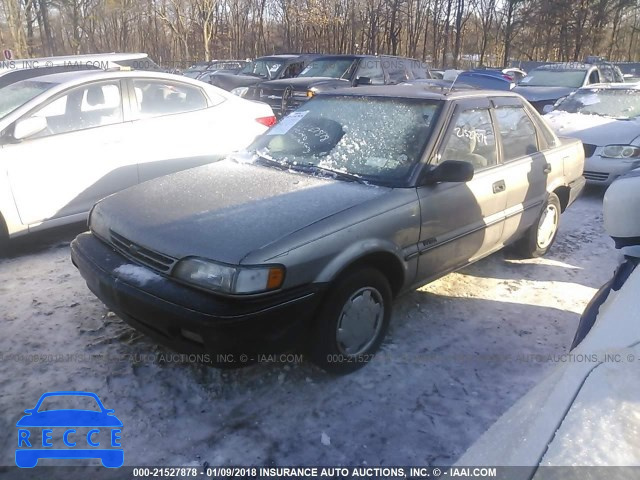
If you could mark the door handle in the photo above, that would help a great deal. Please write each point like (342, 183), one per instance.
(547, 168)
(499, 186)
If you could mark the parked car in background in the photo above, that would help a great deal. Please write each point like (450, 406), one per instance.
(309, 235)
(69, 139)
(331, 72)
(545, 86)
(12, 71)
(606, 117)
(486, 79)
(202, 70)
(582, 413)
(264, 68)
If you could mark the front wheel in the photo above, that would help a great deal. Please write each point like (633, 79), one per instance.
(538, 239)
(353, 322)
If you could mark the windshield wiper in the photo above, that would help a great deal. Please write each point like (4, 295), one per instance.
(350, 177)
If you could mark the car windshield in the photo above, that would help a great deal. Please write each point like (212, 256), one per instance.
(263, 68)
(17, 94)
(369, 138)
(330, 67)
(616, 103)
(554, 78)
(69, 402)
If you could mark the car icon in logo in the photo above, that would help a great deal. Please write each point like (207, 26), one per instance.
(47, 431)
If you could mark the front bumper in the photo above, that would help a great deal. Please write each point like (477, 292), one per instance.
(192, 321)
(603, 171)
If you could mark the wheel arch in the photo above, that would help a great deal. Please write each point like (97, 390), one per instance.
(563, 193)
(387, 261)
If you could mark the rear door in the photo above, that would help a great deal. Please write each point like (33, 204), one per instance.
(177, 126)
(462, 222)
(525, 166)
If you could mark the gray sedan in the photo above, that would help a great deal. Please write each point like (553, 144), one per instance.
(307, 238)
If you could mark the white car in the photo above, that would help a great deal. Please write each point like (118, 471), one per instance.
(587, 410)
(67, 140)
(606, 117)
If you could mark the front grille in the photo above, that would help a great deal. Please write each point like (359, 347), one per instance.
(596, 176)
(140, 254)
(589, 149)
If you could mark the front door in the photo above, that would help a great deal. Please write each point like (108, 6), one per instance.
(462, 222)
(77, 160)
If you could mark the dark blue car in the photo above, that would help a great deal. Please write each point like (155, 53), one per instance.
(67, 442)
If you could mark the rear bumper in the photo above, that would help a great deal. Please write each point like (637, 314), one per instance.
(192, 321)
(575, 189)
(603, 171)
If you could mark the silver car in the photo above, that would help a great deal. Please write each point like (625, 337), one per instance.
(606, 117)
(339, 208)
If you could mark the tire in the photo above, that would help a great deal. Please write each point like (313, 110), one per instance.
(333, 346)
(4, 238)
(538, 239)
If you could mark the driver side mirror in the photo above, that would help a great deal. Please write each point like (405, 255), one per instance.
(28, 127)
(449, 171)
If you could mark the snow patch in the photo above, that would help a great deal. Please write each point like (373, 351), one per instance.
(325, 439)
(135, 274)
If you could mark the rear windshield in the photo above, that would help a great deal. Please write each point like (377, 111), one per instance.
(377, 139)
(615, 103)
(554, 78)
(19, 93)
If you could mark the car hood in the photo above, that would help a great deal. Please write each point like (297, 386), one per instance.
(69, 418)
(302, 83)
(226, 210)
(594, 129)
(539, 94)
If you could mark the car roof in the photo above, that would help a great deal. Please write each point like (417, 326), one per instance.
(563, 67)
(80, 76)
(613, 86)
(420, 92)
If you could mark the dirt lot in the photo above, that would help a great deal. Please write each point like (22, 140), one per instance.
(460, 352)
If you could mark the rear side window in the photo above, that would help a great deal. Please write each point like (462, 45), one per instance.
(156, 98)
(419, 70)
(371, 68)
(397, 69)
(517, 132)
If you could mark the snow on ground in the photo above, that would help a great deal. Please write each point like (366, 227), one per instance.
(460, 352)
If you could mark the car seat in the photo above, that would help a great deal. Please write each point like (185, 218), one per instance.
(462, 147)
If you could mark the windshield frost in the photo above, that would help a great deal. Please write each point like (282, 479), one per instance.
(606, 102)
(373, 138)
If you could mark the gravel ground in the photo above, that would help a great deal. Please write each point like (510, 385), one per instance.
(460, 352)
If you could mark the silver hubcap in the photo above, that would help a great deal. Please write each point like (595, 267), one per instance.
(547, 226)
(360, 321)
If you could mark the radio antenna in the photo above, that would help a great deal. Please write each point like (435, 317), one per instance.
(452, 84)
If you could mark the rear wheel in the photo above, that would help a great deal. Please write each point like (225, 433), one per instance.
(538, 239)
(353, 321)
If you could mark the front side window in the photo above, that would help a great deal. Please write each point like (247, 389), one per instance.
(371, 68)
(472, 140)
(328, 68)
(156, 98)
(293, 70)
(89, 106)
(377, 139)
(517, 132)
(267, 69)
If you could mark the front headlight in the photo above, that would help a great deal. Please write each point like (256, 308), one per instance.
(98, 223)
(240, 91)
(229, 279)
(621, 151)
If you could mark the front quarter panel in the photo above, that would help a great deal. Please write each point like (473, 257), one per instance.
(318, 253)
